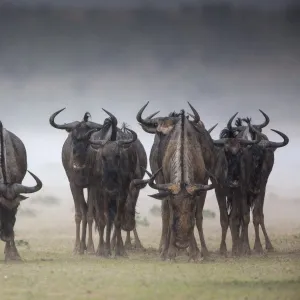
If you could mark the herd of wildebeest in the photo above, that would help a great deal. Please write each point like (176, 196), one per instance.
(111, 162)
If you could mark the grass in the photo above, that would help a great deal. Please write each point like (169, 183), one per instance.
(50, 271)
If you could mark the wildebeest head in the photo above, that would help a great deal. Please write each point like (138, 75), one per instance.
(165, 124)
(80, 134)
(233, 145)
(112, 151)
(10, 198)
(239, 127)
(182, 200)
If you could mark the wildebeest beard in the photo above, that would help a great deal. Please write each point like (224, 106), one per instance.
(234, 162)
(111, 180)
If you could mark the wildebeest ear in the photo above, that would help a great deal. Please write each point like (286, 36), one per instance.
(69, 130)
(160, 196)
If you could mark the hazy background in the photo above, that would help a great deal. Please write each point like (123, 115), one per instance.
(222, 58)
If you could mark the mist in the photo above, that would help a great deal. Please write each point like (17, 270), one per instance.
(223, 62)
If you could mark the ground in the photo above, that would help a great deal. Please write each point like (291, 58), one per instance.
(50, 271)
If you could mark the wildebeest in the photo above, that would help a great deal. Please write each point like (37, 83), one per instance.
(262, 157)
(178, 152)
(122, 158)
(79, 164)
(232, 173)
(13, 167)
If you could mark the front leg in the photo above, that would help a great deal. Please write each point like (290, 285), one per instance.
(194, 252)
(224, 220)
(119, 249)
(138, 244)
(128, 244)
(92, 204)
(199, 223)
(10, 251)
(78, 197)
(172, 250)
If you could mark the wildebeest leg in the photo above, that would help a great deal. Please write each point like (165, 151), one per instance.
(199, 223)
(11, 252)
(128, 244)
(172, 249)
(108, 234)
(166, 234)
(101, 251)
(234, 222)
(245, 247)
(137, 241)
(113, 239)
(90, 218)
(221, 198)
(79, 202)
(269, 246)
(256, 221)
(194, 252)
(119, 249)
(165, 214)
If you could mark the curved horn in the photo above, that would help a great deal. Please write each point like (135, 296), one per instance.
(229, 124)
(144, 122)
(88, 134)
(212, 128)
(130, 141)
(280, 144)
(220, 142)
(168, 187)
(22, 189)
(192, 189)
(113, 118)
(68, 126)
(196, 115)
(152, 115)
(266, 122)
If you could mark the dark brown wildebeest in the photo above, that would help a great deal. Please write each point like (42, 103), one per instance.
(232, 173)
(179, 152)
(13, 166)
(207, 147)
(122, 156)
(262, 156)
(79, 164)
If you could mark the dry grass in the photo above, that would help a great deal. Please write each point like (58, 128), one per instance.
(50, 271)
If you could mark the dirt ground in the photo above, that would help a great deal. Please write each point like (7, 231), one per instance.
(50, 271)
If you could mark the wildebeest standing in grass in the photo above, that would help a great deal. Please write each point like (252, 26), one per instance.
(161, 126)
(232, 173)
(122, 157)
(262, 156)
(133, 193)
(182, 182)
(79, 162)
(13, 166)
